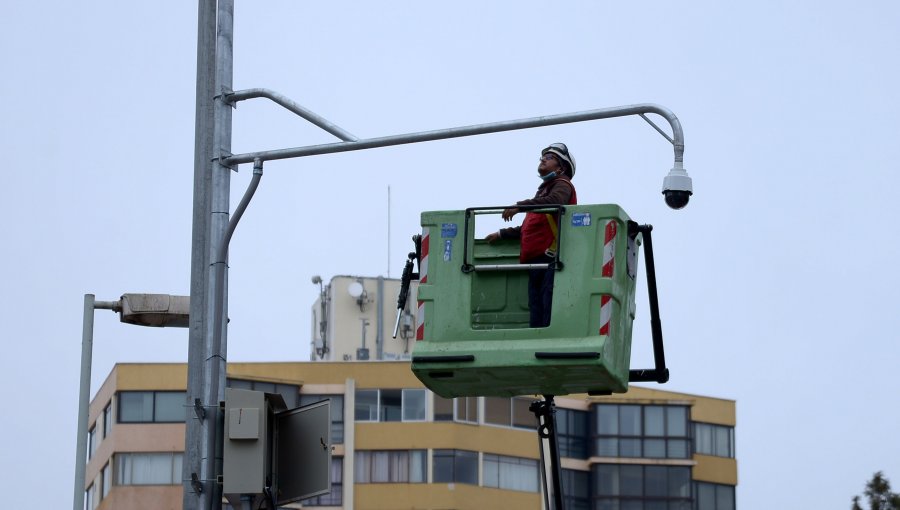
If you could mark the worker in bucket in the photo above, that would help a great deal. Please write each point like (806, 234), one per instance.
(538, 233)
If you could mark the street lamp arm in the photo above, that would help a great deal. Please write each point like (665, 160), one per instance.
(478, 129)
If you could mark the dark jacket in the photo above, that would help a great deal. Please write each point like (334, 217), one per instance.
(536, 233)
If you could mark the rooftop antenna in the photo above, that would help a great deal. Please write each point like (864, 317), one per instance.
(389, 233)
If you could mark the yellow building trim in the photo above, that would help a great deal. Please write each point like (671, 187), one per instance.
(384, 496)
(715, 470)
(424, 435)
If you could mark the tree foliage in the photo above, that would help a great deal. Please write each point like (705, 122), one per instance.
(878, 493)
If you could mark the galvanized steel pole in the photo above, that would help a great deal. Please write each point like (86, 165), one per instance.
(201, 254)
(84, 393)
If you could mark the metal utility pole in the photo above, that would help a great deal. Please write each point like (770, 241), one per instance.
(206, 354)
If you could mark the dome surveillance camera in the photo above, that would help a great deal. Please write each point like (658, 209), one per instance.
(677, 187)
(677, 199)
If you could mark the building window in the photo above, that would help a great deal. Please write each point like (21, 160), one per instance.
(336, 496)
(647, 431)
(455, 466)
(148, 468)
(106, 475)
(572, 433)
(715, 440)
(443, 408)
(92, 442)
(107, 419)
(509, 412)
(511, 473)
(152, 406)
(413, 405)
(637, 486)
(337, 413)
(90, 497)
(289, 392)
(462, 409)
(390, 466)
(576, 489)
(390, 405)
(713, 496)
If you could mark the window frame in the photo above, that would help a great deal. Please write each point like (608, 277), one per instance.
(636, 432)
(153, 406)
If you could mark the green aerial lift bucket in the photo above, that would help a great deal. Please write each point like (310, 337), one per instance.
(473, 336)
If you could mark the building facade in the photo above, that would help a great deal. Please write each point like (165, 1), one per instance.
(397, 445)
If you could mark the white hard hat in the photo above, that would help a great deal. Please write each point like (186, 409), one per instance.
(562, 152)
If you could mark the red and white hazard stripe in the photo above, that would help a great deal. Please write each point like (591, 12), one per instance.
(423, 278)
(609, 263)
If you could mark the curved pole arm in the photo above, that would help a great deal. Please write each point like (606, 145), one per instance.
(289, 104)
(479, 129)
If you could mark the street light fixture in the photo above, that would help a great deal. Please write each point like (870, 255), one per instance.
(155, 310)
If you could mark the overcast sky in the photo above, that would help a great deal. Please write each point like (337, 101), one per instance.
(777, 283)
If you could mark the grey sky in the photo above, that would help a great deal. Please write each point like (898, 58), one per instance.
(777, 282)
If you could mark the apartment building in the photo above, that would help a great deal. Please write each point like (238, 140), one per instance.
(398, 445)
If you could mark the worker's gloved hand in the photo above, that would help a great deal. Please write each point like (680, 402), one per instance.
(492, 237)
(509, 213)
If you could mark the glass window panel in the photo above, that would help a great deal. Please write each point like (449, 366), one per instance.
(264, 386)
(136, 406)
(413, 405)
(676, 419)
(608, 420)
(522, 415)
(92, 442)
(703, 438)
(677, 449)
(629, 447)
(381, 466)
(607, 447)
(724, 497)
(497, 411)
(417, 466)
(655, 484)
(170, 406)
(607, 479)
(654, 448)
(107, 419)
(679, 482)
(629, 420)
(654, 421)
(706, 496)
(655, 505)
(631, 480)
(576, 483)
(722, 447)
(391, 405)
(467, 409)
(465, 469)
(443, 408)
(366, 408)
(362, 471)
(148, 468)
(239, 384)
(107, 480)
(442, 464)
(491, 470)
